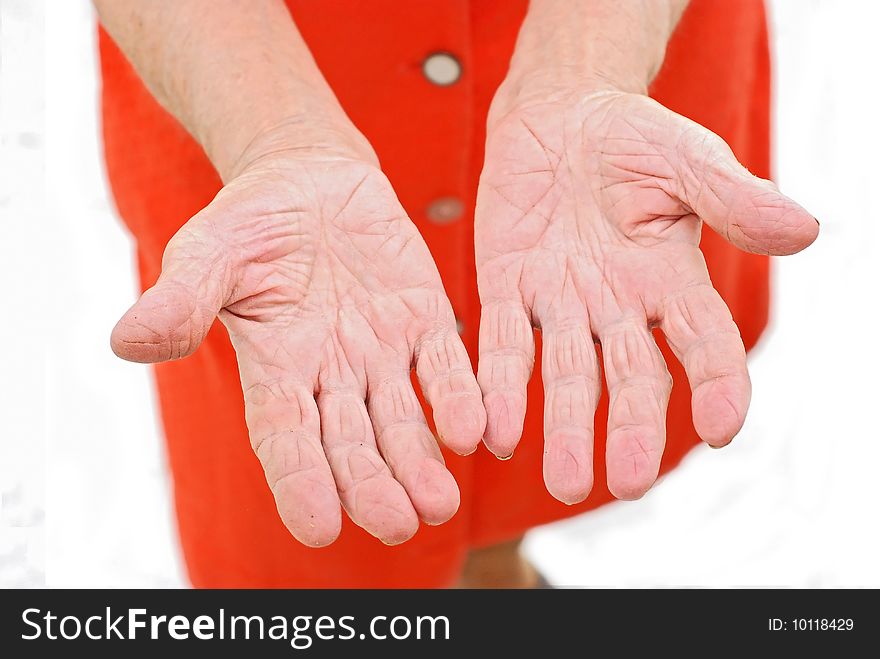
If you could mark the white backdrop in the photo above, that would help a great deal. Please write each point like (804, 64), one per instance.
(85, 498)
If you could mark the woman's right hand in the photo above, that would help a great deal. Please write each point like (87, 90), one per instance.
(330, 297)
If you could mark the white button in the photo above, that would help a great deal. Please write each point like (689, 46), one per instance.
(445, 210)
(442, 69)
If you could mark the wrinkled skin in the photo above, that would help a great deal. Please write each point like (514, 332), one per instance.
(330, 297)
(588, 223)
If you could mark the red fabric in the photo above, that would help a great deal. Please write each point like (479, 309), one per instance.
(430, 142)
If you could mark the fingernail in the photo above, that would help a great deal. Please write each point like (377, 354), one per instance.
(721, 446)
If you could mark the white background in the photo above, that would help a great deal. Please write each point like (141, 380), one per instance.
(85, 498)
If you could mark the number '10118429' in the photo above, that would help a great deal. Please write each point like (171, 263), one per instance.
(810, 624)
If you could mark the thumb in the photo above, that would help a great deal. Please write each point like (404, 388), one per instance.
(746, 210)
(171, 319)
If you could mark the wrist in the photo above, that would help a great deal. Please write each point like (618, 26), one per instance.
(315, 136)
(527, 89)
(586, 46)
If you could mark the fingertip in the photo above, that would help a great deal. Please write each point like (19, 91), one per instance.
(568, 467)
(501, 447)
(629, 484)
(400, 533)
(570, 491)
(384, 510)
(718, 412)
(810, 232)
(797, 230)
(435, 496)
(624, 490)
(162, 325)
(505, 415)
(461, 423)
(756, 217)
(770, 223)
(632, 463)
(317, 537)
(117, 340)
(460, 448)
(813, 228)
(134, 342)
(313, 517)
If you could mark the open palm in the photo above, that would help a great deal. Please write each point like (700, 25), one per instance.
(588, 224)
(330, 297)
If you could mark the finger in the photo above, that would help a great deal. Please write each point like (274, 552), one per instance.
(409, 447)
(700, 330)
(748, 211)
(447, 380)
(507, 355)
(284, 428)
(570, 372)
(638, 390)
(171, 319)
(370, 495)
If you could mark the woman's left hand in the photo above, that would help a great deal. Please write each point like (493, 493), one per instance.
(588, 225)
